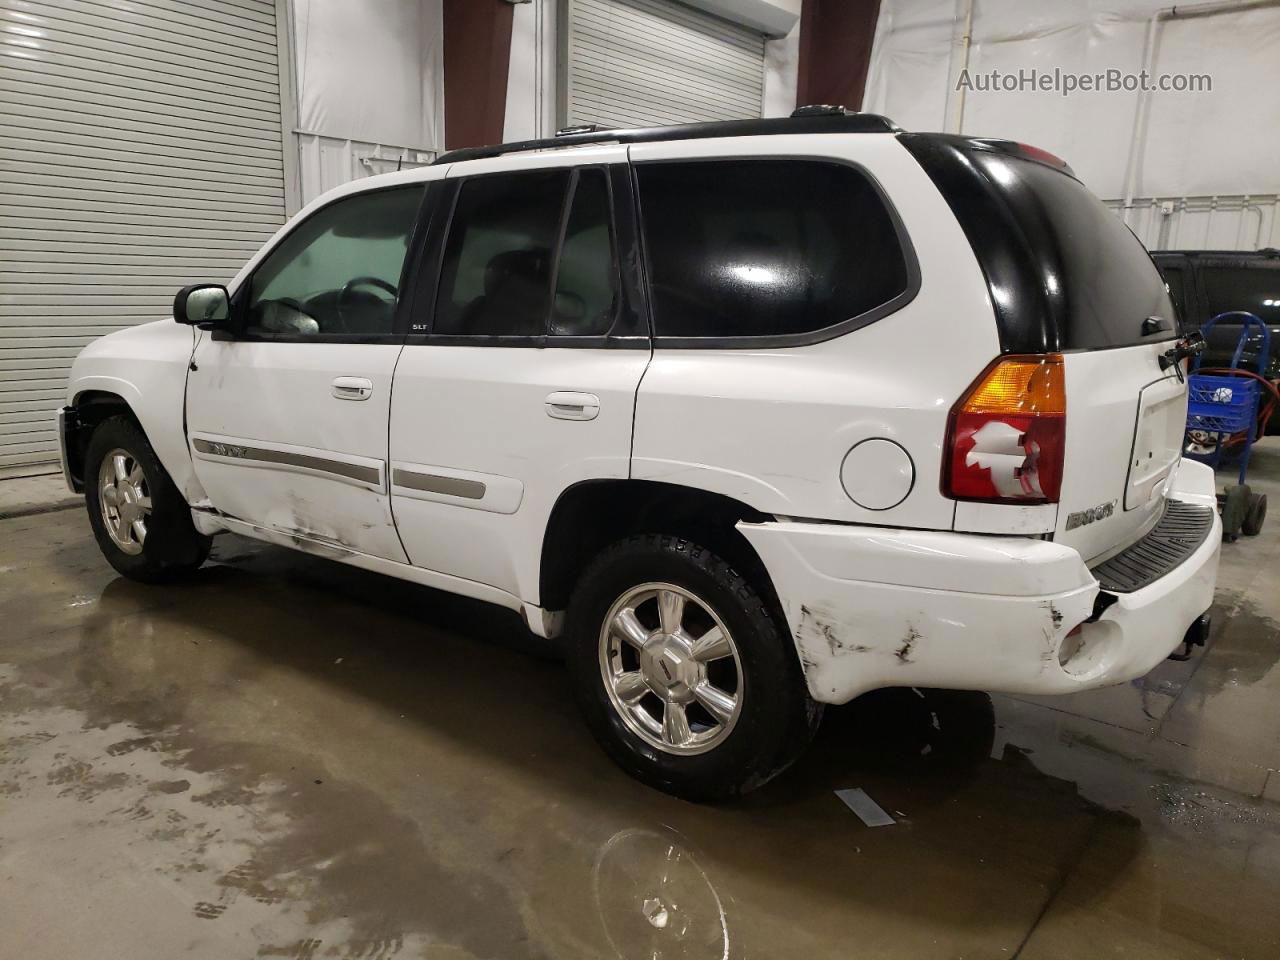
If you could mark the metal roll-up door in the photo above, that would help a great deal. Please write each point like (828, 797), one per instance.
(651, 62)
(140, 149)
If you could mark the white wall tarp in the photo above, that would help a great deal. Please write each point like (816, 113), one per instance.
(1226, 141)
(371, 71)
(531, 77)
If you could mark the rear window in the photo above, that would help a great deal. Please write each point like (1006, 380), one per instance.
(1108, 282)
(772, 249)
(1065, 273)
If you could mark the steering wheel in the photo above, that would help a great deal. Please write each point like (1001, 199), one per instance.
(350, 286)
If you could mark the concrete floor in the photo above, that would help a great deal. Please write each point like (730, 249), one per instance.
(290, 758)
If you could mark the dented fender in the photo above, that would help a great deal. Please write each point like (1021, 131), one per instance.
(146, 367)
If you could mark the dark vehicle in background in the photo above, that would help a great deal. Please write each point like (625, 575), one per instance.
(1205, 283)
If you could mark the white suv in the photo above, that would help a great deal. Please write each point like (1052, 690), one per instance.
(757, 416)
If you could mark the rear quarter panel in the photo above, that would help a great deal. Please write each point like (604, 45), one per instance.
(771, 427)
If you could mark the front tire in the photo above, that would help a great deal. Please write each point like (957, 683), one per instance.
(683, 671)
(140, 520)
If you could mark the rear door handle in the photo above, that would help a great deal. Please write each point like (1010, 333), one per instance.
(352, 388)
(571, 405)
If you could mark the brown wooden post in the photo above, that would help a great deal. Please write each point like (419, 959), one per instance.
(835, 51)
(477, 52)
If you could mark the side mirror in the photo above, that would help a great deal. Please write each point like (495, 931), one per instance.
(202, 303)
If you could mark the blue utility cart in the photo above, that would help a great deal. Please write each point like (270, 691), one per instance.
(1225, 405)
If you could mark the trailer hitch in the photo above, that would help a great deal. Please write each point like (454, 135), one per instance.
(1192, 345)
(1196, 636)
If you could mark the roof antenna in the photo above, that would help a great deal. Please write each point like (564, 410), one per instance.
(399, 162)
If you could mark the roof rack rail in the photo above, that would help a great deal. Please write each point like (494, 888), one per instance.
(819, 119)
(821, 110)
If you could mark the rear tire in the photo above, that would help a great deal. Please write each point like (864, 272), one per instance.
(140, 520)
(731, 672)
(1255, 515)
(1235, 506)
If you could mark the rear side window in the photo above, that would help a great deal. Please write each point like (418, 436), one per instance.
(767, 248)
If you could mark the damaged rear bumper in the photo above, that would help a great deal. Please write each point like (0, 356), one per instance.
(871, 607)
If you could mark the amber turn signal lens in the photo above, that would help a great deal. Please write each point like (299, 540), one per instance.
(1025, 385)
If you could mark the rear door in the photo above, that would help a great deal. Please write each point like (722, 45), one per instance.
(526, 348)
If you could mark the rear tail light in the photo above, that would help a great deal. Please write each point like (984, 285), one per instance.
(1006, 436)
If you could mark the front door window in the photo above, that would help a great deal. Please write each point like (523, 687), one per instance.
(338, 273)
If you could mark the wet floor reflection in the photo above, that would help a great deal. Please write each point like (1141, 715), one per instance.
(654, 900)
(318, 759)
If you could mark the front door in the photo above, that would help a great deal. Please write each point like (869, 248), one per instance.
(519, 376)
(287, 410)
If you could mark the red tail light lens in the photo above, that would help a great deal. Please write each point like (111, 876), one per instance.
(1007, 435)
(1042, 156)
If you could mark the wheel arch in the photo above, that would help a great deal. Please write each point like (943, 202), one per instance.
(95, 399)
(144, 368)
(592, 514)
(88, 408)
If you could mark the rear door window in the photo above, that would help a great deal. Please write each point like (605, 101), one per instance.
(768, 249)
(496, 275)
(586, 275)
(530, 254)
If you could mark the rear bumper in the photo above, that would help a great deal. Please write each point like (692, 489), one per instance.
(871, 607)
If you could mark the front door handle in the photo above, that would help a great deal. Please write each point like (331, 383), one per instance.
(571, 405)
(352, 388)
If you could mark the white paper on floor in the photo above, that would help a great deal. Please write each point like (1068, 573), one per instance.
(870, 812)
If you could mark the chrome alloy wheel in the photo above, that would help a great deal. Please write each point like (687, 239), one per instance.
(671, 668)
(125, 500)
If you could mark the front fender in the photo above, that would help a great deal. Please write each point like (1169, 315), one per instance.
(146, 366)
